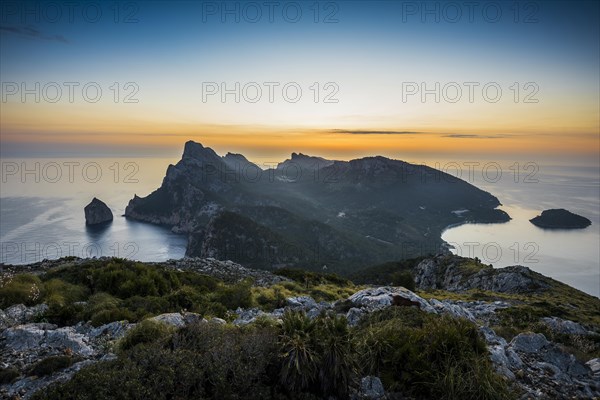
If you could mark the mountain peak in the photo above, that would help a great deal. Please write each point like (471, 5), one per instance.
(305, 161)
(236, 156)
(196, 151)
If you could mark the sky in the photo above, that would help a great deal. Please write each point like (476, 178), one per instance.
(339, 79)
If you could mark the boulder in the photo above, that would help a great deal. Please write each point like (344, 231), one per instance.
(594, 366)
(386, 296)
(111, 331)
(97, 212)
(36, 337)
(20, 314)
(173, 319)
(304, 303)
(565, 327)
(354, 315)
(371, 388)
(529, 342)
(454, 310)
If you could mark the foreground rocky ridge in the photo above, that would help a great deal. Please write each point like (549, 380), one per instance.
(536, 366)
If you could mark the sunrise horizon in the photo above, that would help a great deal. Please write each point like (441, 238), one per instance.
(416, 81)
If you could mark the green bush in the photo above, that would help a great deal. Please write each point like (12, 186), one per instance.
(212, 309)
(7, 375)
(403, 278)
(50, 365)
(146, 306)
(61, 293)
(186, 298)
(311, 278)
(299, 352)
(201, 361)
(147, 331)
(234, 296)
(68, 314)
(338, 368)
(202, 283)
(317, 355)
(114, 314)
(20, 289)
(441, 358)
(102, 301)
(521, 316)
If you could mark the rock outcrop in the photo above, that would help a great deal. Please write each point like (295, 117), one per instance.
(97, 212)
(450, 273)
(20, 314)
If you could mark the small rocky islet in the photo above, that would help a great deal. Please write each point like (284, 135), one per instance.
(560, 219)
(97, 212)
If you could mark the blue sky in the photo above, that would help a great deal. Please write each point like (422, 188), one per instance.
(372, 48)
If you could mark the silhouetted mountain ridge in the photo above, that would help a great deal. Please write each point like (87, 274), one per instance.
(339, 213)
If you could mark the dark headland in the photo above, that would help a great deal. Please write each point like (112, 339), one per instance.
(309, 211)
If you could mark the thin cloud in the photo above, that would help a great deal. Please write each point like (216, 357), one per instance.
(363, 132)
(470, 136)
(32, 33)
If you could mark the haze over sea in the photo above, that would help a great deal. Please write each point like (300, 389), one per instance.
(42, 214)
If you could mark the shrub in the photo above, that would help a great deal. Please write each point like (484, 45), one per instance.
(234, 296)
(201, 361)
(202, 283)
(403, 278)
(133, 279)
(185, 298)
(323, 295)
(50, 365)
(337, 371)
(521, 316)
(317, 355)
(212, 309)
(20, 289)
(114, 314)
(146, 306)
(61, 293)
(299, 353)
(102, 301)
(312, 278)
(442, 358)
(7, 375)
(63, 315)
(249, 354)
(147, 331)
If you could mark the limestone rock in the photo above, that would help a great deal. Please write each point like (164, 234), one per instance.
(20, 314)
(173, 319)
(386, 296)
(97, 212)
(447, 274)
(563, 326)
(371, 388)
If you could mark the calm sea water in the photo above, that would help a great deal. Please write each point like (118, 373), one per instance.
(41, 210)
(42, 200)
(570, 256)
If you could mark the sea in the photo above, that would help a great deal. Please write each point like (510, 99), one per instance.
(42, 201)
